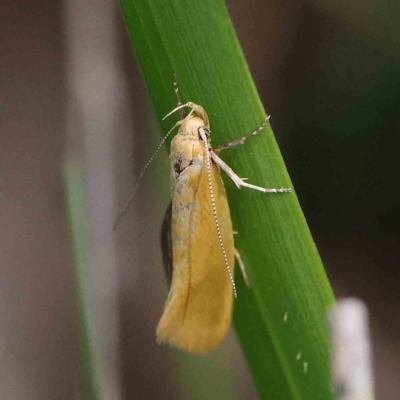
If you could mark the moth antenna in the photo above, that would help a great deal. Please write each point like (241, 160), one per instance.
(127, 205)
(178, 96)
(214, 208)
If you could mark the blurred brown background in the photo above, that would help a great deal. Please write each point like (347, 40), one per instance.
(327, 72)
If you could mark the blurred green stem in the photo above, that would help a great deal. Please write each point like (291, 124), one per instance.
(74, 188)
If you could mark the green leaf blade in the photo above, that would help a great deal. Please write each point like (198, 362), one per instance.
(281, 318)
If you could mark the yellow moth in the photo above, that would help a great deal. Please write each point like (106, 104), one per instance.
(197, 236)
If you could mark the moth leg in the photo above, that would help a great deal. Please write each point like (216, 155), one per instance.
(242, 267)
(239, 182)
(241, 140)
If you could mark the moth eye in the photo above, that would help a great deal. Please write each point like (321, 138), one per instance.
(206, 131)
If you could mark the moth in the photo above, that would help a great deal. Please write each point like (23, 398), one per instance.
(197, 235)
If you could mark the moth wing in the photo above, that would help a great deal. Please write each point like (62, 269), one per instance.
(166, 243)
(198, 310)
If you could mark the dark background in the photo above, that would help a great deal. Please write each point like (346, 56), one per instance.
(327, 72)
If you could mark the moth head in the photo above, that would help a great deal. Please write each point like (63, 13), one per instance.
(195, 120)
(193, 127)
